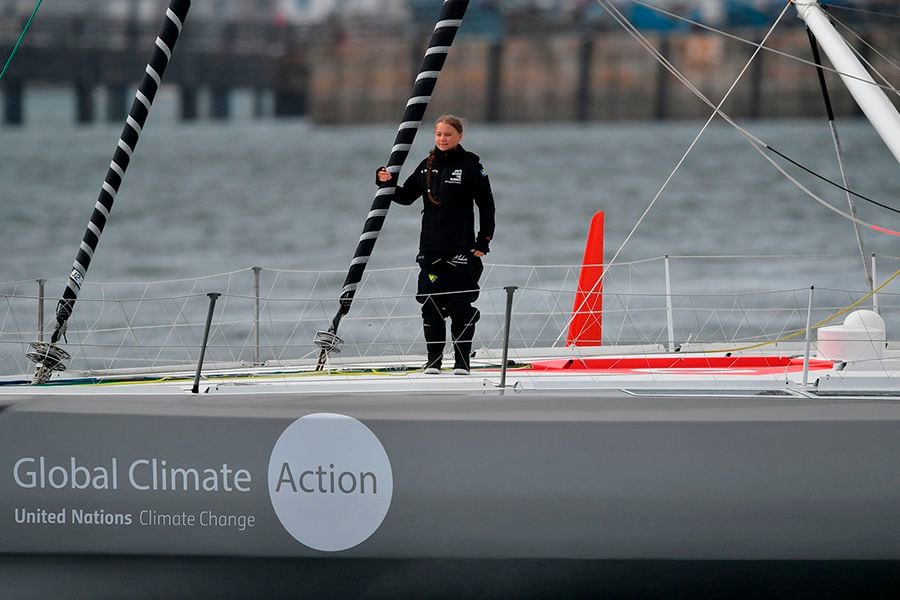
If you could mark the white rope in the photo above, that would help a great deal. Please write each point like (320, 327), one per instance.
(716, 110)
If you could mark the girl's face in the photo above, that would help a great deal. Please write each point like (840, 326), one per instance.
(446, 137)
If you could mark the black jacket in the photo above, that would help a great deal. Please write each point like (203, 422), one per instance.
(458, 179)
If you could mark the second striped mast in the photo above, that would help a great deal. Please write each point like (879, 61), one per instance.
(445, 29)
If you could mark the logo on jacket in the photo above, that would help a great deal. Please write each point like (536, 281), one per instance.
(455, 176)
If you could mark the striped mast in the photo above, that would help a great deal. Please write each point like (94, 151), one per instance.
(134, 124)
(445, 30)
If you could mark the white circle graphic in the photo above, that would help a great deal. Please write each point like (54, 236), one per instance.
(330, 481)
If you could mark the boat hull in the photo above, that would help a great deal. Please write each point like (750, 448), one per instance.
(599, 475)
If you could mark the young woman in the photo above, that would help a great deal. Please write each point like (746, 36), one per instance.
(451, 182)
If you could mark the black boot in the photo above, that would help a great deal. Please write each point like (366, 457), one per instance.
(435, 331)
(462, 334)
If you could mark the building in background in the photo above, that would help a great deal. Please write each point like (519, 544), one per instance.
(716, 12)
(713, 12)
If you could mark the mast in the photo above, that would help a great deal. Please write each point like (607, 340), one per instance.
(870, 98)
(445, 29)
(48, 356)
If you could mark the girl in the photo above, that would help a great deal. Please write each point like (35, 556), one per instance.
(451, 182)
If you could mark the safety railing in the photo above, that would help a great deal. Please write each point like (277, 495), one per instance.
(270, 316)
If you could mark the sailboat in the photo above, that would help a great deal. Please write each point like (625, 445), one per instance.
(780, 447)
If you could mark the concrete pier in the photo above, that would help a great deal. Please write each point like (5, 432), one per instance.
(189, 103)
(342, 77)
(13, 101)
(116, 102)
(577, 76)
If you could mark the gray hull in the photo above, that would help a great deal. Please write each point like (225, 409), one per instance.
(599, 475)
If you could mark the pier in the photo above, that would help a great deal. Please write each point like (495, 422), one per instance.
(105, 54)
(592, 75)
(340, 74)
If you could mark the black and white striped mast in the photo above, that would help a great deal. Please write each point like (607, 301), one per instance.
(48, 356)
(445, 30)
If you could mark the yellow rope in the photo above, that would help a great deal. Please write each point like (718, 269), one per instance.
(824, 321)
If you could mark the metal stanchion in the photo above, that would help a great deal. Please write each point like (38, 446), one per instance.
(807, 344)
(256, 272)
(213, 296)
(40, 316)
(509, 302)
(670, 320)
(875, 306)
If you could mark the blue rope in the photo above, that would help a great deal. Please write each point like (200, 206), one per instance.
(21, 37)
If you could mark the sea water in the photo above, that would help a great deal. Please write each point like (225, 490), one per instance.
(212, 197)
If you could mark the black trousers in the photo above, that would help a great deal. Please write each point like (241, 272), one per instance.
(447, 287)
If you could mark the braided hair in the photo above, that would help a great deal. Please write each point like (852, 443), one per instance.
(457, 124)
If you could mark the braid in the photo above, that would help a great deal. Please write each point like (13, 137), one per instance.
(429, 176)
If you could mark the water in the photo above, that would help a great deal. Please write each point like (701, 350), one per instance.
(211, 198)
(205, 198)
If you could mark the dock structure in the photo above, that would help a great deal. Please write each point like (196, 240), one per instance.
(336, 73)
(578, 76)
(91, 54)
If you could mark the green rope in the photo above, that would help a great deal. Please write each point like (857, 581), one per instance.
(21, 37)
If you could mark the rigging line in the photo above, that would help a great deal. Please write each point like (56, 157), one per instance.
(861, 10)
(759, 45)
(829, 181)
(756, 142)
(717, 109)
(628, 26)
(885, 56)
(21, 37)
(814, 46)
(818, 199)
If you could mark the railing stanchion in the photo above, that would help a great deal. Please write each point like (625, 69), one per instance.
(808, 337)
(875, 306)
(256, 272)
(510, 290)
(40, 316)
(670, 321)
(213, 296)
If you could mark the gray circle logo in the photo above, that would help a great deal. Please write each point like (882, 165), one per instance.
(330, 481)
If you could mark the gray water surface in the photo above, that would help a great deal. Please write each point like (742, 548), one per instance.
(206, 198)
(203, 198)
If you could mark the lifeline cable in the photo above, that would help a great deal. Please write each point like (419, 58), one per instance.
(21, 37)
(798, 332)
(137, 118)
(445, 30)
